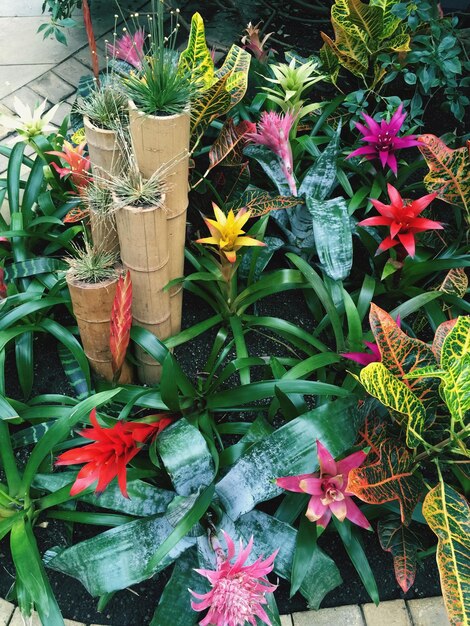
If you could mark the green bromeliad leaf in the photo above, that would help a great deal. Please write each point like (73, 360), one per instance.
(379, 382)
(390, 478)
(402, 355)
(196, 59)
(404, 544)
(447, 513)
(454, 370)
(272, 534)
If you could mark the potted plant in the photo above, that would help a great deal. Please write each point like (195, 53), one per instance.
(92, 279)
(141, 219)
(99, 201)
(104, 113)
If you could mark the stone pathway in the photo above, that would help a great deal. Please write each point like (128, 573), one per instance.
(47, 69)
(424, 612)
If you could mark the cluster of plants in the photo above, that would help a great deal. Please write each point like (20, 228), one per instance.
(355, 420)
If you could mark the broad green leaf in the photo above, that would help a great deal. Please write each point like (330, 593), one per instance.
(120, 557)
(33, 267)
(448, 171)
(448, 515)
(196, 60)
(394, 394)
(288, 451)
(333, 236)
(271, 165)
(404, 544)
(186, 457)
(271, 534)
(320, 179)
(390, 478)
(144, 499)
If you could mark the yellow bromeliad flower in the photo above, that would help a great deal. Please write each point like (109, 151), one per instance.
(226, 231)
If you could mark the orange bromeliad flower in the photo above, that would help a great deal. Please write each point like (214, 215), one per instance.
(226, 232)
(78, 165)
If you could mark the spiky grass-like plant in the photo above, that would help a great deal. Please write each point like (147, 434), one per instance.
(92, 266)
(98, 198)
(130, 188)
(105, 106)
(160, 88)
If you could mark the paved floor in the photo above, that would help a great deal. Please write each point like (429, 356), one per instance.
(47, 69)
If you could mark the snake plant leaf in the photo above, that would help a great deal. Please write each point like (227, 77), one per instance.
(186, 457)
(403, 543)
(120, 557)
(171, 608)
(448, 515)
(448, 171)
(320, 179)
(454, 370)
(196, 60)
(333, 236)
(401, 355)
(33, 267)
(271, 165)
(73, 372)
(380, 383)
(322, 575)
(144, 499)
(287, 451)
(388, 479)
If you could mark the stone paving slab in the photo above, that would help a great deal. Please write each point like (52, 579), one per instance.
(51, 86)
(15, 76)
(286, 620)
(35, 621)
(18, 8)
(341, 616)
(6, 611)
(392, 613)
(428, 612)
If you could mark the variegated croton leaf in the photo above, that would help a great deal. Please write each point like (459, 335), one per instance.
(390, 478)
(403, 543)
(228, 147)
(448, 514)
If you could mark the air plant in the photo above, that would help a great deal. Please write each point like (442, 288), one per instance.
(90, 265)
(130, 188)
(106, 107)
(98, 198)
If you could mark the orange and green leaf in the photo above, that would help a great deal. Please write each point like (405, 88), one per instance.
(448, 515)
(260, 203)
(403, 543)
(373, 434)
(228, 147)
(121, 322)
(448, 171)
(390, 478)
(441, 333)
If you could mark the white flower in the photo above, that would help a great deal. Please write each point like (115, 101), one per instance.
(29, 123)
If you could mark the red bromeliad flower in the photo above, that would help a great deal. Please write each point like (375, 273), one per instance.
(238, 590)
(328, 489)
(79, 165)
(273, 132)
(129, 48)
(401, 216)
(3, 287)
(111, 451)
(383, 140)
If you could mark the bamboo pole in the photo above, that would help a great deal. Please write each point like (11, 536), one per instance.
(92, 305)
(104, 232)
(143, 239)
(160, 141)
(104, 150)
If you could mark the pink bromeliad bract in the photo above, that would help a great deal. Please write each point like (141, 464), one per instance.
(238, 590)
(328, 489)
(382, 139)
(129, 48)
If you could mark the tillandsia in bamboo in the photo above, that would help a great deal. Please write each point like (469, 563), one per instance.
(141, 218)
(92, 280)
(99, 201)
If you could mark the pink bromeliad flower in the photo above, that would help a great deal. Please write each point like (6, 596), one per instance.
(129, 48)
(364, 358)
(383, 140)
(328, 489)
(238, 590)
(273, 132)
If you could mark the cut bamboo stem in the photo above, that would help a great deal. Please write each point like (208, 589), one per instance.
(143, 239)
(92, 305)
(104, 232)
(104, 150)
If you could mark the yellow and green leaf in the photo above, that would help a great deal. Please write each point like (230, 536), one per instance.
(390, 21)
(448, 171)
(196, 59)
(379, 382)
(448, 515)
(213, 102)
(236, 67)
(390, 478)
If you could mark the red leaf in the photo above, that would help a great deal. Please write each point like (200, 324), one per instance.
(121, 322)
(76, 215)
(373, 434)
(402, 355)
(390, 478)
(229, 144)
(403, 543)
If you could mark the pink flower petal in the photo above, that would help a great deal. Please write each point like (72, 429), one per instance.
(292, 483)
(355, 515)
(326, 461)
(350, 462)
(315, 509)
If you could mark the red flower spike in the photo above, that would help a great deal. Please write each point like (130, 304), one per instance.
(401, 216)
(3, 287)
(112, 449)
(121, 322)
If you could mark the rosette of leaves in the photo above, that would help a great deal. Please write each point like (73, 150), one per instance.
(362, 31)
(426, 389)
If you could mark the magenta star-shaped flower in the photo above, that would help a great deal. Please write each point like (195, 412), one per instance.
(383, 140)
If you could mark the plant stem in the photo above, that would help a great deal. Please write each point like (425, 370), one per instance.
(7, 458)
